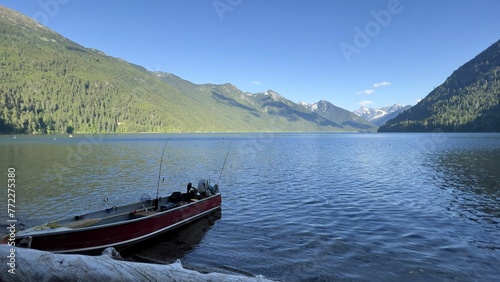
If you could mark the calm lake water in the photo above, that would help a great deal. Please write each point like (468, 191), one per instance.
(296, 207)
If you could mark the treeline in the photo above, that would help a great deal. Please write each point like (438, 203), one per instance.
(468, 101)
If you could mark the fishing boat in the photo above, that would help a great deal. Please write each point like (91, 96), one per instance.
(122, 226)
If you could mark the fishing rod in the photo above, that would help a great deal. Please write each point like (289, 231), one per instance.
(225, 159)
(159, 171)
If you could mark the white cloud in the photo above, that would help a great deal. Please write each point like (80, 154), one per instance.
(418, 100)
(375, 86)
(255, 82)
(381, 84)
(365, 103)
(366, 92)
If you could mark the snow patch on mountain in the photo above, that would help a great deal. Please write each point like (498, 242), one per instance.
(380, 115)
(274, 95)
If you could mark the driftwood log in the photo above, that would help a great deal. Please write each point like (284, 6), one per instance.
(40, 266)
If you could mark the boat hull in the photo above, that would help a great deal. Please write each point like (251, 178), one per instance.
(123, 233)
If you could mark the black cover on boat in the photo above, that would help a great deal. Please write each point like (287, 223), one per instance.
(176, 197)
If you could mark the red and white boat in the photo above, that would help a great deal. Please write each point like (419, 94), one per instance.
(125, 225)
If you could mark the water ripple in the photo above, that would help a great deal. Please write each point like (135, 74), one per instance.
(304, 207)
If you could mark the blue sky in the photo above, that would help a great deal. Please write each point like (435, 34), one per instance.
(371, 52)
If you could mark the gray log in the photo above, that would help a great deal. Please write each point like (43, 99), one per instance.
(39, 266)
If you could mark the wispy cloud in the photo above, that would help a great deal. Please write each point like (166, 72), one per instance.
(366, 92)
(255, 82)
(381, 84)
(365, 103)
(375, 86)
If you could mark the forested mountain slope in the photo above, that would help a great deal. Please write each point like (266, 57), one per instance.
(49, 84)
(468, 101)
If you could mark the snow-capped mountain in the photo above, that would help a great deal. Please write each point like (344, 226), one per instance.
(338, 115)
(379, 116)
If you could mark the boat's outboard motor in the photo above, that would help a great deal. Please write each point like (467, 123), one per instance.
(205, 189)
(203, 185)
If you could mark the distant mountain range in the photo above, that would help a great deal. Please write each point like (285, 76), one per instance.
(53, 85)
(379, 116)
(338, 115)
(50, 84)
(468, 101)
(302, 116)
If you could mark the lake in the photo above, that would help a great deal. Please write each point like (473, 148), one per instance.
(296, 207)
